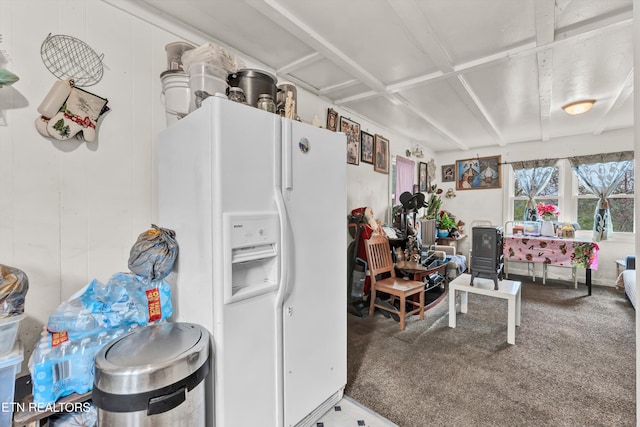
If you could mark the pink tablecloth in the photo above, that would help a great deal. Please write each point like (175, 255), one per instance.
(549, 250)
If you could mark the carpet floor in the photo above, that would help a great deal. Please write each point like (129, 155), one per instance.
(573, 363)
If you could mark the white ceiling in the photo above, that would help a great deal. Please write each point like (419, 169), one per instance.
(448, 74)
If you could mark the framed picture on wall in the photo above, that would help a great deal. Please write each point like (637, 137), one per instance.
(332, 119)
(448, 173)
(366, 147)
(431, 173)
(352, 130)
(381, 154)
(423, 183)
(479, 173)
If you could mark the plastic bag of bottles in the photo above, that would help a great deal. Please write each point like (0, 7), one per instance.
(153, 254)
(60, 365)
(13, 290)
(123, 300)
(63, 359)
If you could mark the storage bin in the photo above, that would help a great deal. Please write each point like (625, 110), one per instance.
(205, 80)
(175, 51)
(10, 365)
(8, 333)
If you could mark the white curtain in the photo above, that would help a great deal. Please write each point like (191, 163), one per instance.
(600, 174)
(405, 171)
(533, 176)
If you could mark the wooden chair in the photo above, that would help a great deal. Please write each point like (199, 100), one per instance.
(380, 262)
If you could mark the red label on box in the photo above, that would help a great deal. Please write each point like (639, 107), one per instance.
(58, 338)
(155, 311)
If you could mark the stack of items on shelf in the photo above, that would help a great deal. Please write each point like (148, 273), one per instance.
(208, 67)
(193, 74)
(13, 289)
(63, 359)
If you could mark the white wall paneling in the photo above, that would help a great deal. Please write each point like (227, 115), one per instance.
(72, 210)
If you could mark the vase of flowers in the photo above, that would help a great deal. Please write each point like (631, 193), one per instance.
(547, 213)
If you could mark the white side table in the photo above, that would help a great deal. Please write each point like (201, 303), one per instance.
(621, 264)
(507, 289)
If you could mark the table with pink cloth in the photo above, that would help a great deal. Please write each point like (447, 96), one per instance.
(579, 253)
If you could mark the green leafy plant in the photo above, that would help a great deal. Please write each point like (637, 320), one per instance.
(444, 222)
(434, 203)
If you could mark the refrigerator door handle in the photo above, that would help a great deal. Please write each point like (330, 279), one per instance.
(287, 161)
(285, 252)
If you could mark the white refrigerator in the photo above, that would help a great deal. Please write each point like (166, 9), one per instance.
(258, 204)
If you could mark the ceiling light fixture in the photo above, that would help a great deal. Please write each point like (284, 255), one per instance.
(579, 107)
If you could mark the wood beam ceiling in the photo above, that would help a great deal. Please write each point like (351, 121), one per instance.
(545, 16)
(425, 38)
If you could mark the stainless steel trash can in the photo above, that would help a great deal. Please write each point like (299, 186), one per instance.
(153, 377)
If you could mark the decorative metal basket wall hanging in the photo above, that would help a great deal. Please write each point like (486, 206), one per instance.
(66, 56)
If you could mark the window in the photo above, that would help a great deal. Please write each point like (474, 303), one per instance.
(621, 205)
(575, 203)
(549, 195)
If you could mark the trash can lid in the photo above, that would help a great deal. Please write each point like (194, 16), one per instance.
(151, 358)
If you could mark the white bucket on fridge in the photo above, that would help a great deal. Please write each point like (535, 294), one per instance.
(176, 93)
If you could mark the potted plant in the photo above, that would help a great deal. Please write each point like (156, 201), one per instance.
(547, 212)
(445, 224)
(434, 203)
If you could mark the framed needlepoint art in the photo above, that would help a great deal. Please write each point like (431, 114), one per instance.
(352, 130)
(332, 120)
(381, 154)
(448, 173)
(479, 173)
(423, 181)
(366, 147)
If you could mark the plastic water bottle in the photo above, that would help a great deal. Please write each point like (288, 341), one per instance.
(85, 345)
(61, 363)
(71, 316)
(83, 365)
(103, 338)
(42, 375)
(118, 333)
